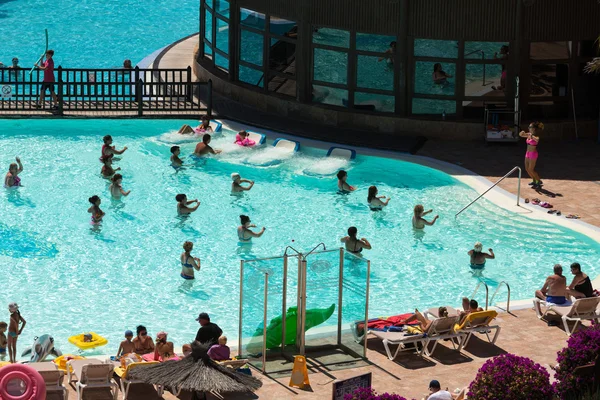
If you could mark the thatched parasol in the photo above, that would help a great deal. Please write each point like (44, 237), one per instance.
(196, 373)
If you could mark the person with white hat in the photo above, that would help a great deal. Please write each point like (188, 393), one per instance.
(478, 257)
(236, 184)
(14, 331)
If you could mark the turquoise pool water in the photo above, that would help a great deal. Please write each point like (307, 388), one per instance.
(69, 278)
(92, 33)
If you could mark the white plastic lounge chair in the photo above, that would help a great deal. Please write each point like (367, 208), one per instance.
(290, 145)
(478, 322)
(216, 126)
(96, 376)
(580, 310)
(340, 152)
(126, 382)
(259, 138)
(75, 366)
(52, 377)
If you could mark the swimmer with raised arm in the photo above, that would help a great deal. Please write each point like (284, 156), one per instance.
(183, 203)
(97, 213)
(203, 147)
(478, 257)
(12, 176)
(376, 203)
(116, 190)
(245, 235)
(418, 221)
(236, 185)
(108, 150)
(353, 244)
(176, 162)
(343, 186)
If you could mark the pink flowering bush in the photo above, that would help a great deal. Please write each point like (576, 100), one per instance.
(582, 348)
(370, 394)
(510, 377)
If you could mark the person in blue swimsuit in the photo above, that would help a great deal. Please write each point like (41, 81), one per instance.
(478, 257)
(245, 235)
(188, 263)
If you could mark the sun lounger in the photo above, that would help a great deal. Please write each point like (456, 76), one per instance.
(580, 310)
(478, 322)
(96, 376)
(126, 382)
(52, 377)
(75, 366)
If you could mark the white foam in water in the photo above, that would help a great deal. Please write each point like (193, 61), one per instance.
(326, 166)
(173, 137)
(269, 156)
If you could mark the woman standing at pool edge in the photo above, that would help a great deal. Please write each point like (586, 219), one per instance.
(188, 263)
(531, 156)
(12, 179)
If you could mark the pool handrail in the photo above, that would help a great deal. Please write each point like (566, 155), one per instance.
(493, 186)
(487, 292)
(496, 291)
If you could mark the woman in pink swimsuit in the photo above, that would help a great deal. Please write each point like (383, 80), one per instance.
(533, 139)
(12, 176)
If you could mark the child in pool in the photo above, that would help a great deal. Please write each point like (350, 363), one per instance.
(243, 139)
(107, 169)
(97, 213)
(14, 331)
(116, 190)
(126, 345)
(12, 178)
(236, 186)
(176, 162)
(3, 342)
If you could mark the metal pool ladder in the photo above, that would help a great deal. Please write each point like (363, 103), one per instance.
(508, 299)
(487, 292)
(493, 186)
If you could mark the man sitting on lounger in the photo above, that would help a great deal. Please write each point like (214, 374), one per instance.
(473, 307)
(555, 288)
(425, 323)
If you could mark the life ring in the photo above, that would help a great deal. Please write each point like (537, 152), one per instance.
(35, 387)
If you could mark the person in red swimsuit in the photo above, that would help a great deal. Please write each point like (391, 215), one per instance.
(531, 156)
(109, 151)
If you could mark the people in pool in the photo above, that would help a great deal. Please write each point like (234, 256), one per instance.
(478, 257)
(343, 186)
(418, 221)
(175, 160)
(109, 151)
(115, 188)
(126, 345)
(107, 170)
(14, 330)
(183, 203)
(243, 139)
(504, 51)
(375, 202)
(97, 213)
(188, 263)
(531, 156)
(142, 343)
(580, 286)
(389, 54)
(203, 147)
(244, 233)
(439, 76)
(12, 176)
(353, 244)
(204, 127)
(236, 185)
(554, 289)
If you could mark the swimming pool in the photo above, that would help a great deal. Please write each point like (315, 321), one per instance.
(69, 278)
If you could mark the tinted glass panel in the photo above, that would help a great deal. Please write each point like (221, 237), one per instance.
(208, 26)
(208, 51)
(378, 43)
(282, 56)
(222, 62)
(436, 48)
(441, 82)
(283, 27)
(222, 7)
(475, 85)
(329, 95)
(373, 102)
(251, 47)
(331, 37)
(282, 85)
(252, 19)
(487, 50)
(251, 76)
(550, 50)
(222, 35)
(330, 66)
(374, 73)
(434, 107)
(549, 80)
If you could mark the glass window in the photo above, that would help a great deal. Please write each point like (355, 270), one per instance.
(282, 56)
(209, 3)
(283, 27)
(222, 35)
(550, 50)
(378, 43)
(252, 19)
(208, 51)
(331, 37)
(433, 107)
(374, 102)
(329, 95)
(494, 82)
(251, 47)
(208, 26)
(222, 62)
(251, 76)
(330, 66)
(222, 8)
(436, 48)
(549, 80)
(548, 109)
(486, 50)
(589, 48)
(439, 82)
(374, 73)
(282, 85)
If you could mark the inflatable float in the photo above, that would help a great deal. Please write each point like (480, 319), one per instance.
(21, 382)
(43, 346)
(87, 341)
(314, 317)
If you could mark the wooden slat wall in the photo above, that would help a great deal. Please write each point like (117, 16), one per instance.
(554, 20)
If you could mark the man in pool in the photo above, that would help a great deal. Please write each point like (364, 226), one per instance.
(183, 203)
(236, 185)
(204, 148)
(555, 288)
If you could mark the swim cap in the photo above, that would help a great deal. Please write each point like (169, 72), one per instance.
(235, 175)
(478, 247)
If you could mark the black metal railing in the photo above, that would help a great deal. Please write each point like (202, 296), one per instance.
(138, 91)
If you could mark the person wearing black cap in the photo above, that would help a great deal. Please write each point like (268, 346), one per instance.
(208, 332)
(437, 393)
